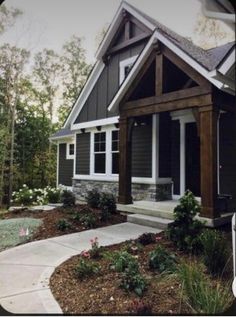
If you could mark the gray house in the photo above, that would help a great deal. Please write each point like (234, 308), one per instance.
(156, 117)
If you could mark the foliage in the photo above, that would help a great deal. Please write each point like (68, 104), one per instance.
(161, 260)
(133, 247)
(215, 251)
(25, 196)
(88, 220)
(146, 238)
(53, 195)
(108, 202)
(68, 198)
(140, 308)
(184, 230)
(63, 225)
(202, 295)
(121, 260)
(86, 268)
(93, 198)
(95, 250)
(7, 17)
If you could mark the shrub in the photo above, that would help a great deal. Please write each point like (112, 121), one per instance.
(107, 202)
(93, 198)
(215, 251)
(161, 260)
(139, 308)
(88, 220)
(184, 230)
(121, 260)
(68, 198)
(63, 225)
(24, 196)
(146, 238)
(133, 247)
(86, 268)
(95, 249)
(53, 195)
(202, 295)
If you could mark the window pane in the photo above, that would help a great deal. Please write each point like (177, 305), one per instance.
(103, 147)
(103, 136)
(96, 147)
(115, 135)
(100, 163)
(96, 137)
(115, 146)
(71, 149)
(115, 163)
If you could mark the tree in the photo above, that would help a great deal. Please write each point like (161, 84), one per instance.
(7, 17)
(75, 71)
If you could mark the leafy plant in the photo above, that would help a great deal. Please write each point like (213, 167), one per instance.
(107, 202)
(184, 230)
(95, 249)
(146, 238)
(53, 195)
(88, 220)
(68, 198)
(140, 308)
(202, 295)
(25, 196)
(133, 247)
(93, 198)
(121, 260)
(63, 225)
(215, 251)
(86, 268)
(161, 260)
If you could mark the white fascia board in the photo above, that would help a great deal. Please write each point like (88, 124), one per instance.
(115, 24)
(95, 123)
(228, 63)
(61, 138)
(98, 68)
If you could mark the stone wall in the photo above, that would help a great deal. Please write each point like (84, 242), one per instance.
(151, 192)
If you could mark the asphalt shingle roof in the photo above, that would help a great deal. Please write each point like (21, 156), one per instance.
(62, 133)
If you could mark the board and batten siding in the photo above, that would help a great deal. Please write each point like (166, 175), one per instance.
(82, 154)
(65, 168)
(142, 151)
(95, 108)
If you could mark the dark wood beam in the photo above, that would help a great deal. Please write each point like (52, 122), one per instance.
(127, 31)
(159, 74)
(140, 25)
(192, 73)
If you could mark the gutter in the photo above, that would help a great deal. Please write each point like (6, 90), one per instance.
(226, 17)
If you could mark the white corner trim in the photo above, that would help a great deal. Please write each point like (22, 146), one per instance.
(228, 63)
(123, 64)
(57, 178)
(68, 155)
(96, 72)
(95, 123)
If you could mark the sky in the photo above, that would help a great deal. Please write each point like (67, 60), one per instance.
(49, 23)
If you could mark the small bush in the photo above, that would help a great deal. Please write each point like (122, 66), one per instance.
(133, 247)
(121, 260)
(53, 195)
(161, 260)
(184, 230)
(95, 250)
(63, 225)
(88, 220)
(202, 295)
(68, 198)
(24, 196)
(146, 238)
(215, 251)
(93, 198)
(107, 203)
(86, 268)
(140, 308)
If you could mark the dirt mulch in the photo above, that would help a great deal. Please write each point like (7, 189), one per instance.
(101, 294)
(50, 219)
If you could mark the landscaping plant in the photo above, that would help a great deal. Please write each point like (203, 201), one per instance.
(140, 308)
(88, 220)
(86, 268)
(95, 250)
(107, 202)
(63, 225)
(147, 238)
(121, 260)
(185, 229)
(215, 251)
(161, 260)
(68, 198)
(93, 198)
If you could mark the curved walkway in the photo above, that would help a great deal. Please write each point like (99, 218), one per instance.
(25, 270)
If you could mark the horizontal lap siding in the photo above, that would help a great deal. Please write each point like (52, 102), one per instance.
(83, 154)
(65, 168)
(175, 156)
(142, 151)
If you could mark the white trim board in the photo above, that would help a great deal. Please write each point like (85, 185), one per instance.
(95, 123)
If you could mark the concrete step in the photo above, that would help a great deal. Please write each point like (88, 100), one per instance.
(149, 221)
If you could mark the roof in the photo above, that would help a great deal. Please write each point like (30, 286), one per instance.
(62, 134)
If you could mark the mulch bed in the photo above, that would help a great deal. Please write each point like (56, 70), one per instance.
(101, 293)
(50, 219)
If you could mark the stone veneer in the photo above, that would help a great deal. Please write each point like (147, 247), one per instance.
(150, 192)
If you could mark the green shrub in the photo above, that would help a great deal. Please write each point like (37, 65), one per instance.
(95, 250)
(53, 195)
(184, 230)
(67, 198)
(215, 251)
(161, 260)
(121, 260)
(93, 198)
(63, 225)
(147, 238)
(88, 220)
(24, 196)
(86, 268)
(133, 247)
(107, 203)
(202, 295)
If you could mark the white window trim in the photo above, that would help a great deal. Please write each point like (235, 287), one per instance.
(127, 62)
(68, 155)
(92, 153)
(118, 151)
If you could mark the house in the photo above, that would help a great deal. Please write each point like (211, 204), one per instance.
(156, 117)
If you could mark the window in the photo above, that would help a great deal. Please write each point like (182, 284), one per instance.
(115, 152)
(125, 67)
(100, 153)
(70, 151)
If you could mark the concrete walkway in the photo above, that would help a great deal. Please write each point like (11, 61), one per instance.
(25, 270)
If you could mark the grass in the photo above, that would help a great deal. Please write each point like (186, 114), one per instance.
(9, 231)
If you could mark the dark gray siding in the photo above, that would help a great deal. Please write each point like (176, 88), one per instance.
(227, 146)
(175, 155)
(106, 87)
(65, 172)
(165, 145)
(83, 154)
(142, 151)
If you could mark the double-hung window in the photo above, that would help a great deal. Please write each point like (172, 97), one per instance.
(100, 153)
(115, 151)
(70, 151)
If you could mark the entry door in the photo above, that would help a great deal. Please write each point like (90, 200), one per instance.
(192, 159)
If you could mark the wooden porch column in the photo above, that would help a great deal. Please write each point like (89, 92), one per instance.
(125, 147)
(208, 117)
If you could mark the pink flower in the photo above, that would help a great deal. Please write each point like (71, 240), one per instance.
(85, 254)
(158, 238)
(22, 232)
